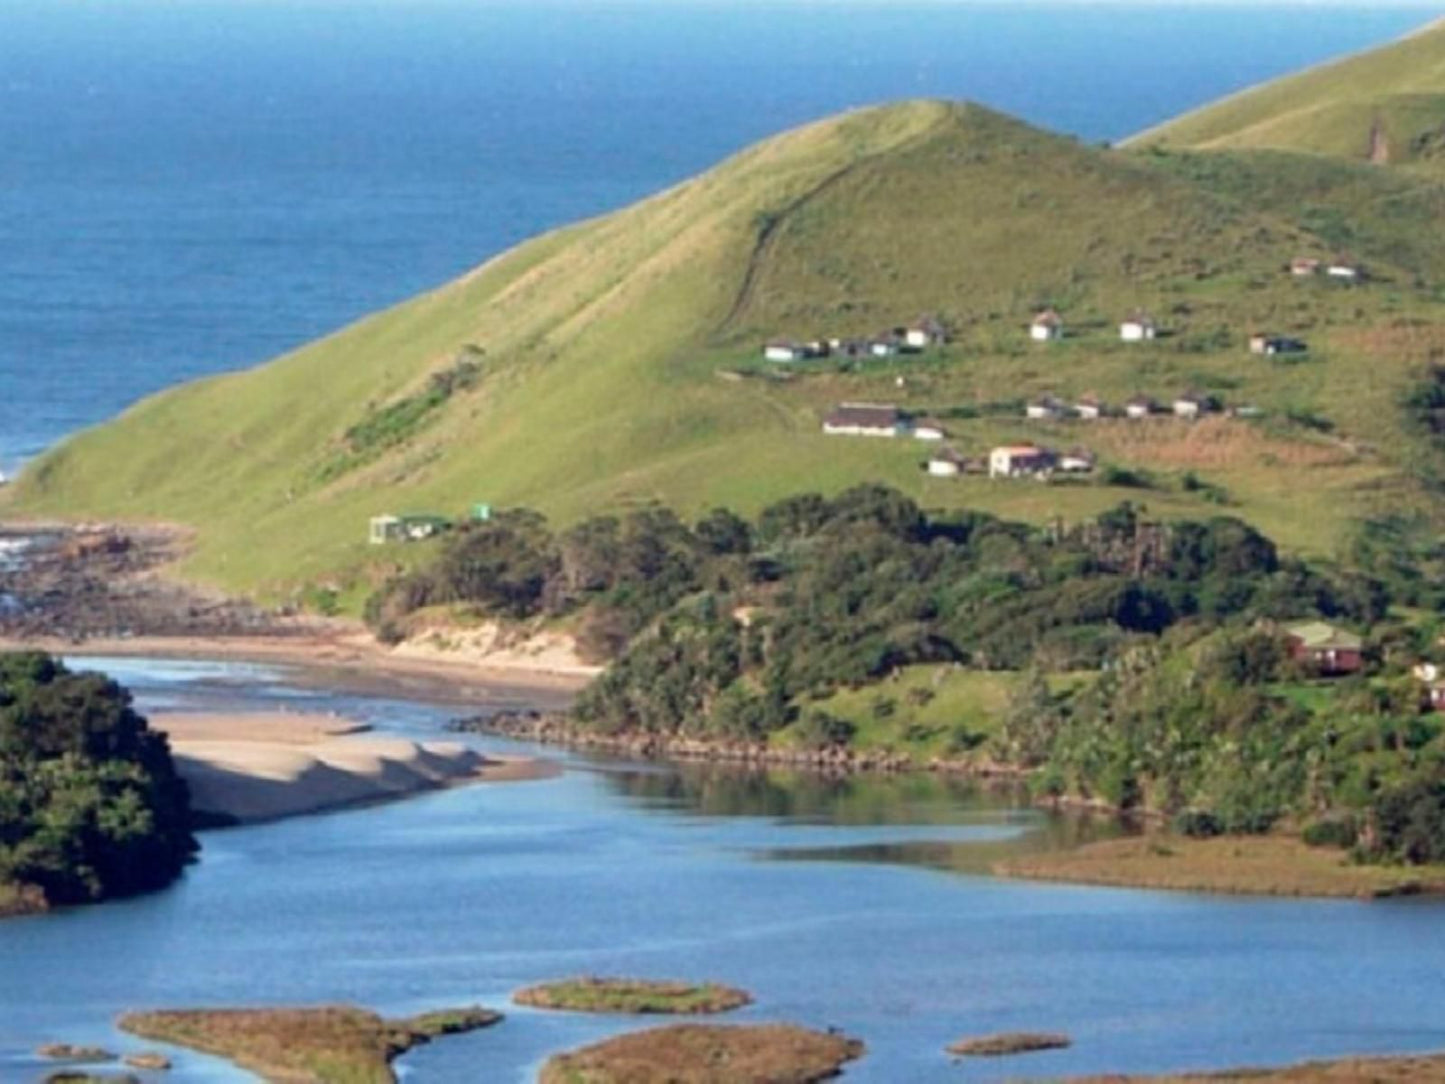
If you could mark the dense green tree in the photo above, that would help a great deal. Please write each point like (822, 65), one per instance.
(90, 802)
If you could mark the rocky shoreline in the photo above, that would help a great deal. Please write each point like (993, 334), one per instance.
(76, 584)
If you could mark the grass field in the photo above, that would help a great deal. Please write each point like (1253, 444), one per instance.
(925, 711)
(1332, 108)
(600, 350)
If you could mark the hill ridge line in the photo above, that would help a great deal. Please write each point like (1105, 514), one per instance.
(769, 232)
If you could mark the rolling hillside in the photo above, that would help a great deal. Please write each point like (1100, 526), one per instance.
(616, 361)
(1390, 101)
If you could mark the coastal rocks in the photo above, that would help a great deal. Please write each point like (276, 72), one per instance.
(707, 1054)
(82, 583)
(21, 900)
(647, 996)
(1013, 1042)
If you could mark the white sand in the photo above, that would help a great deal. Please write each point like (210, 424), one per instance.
(261, 767)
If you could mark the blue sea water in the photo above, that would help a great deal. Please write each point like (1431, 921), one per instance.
(192, 187)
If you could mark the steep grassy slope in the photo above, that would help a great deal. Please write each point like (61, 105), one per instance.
(1332, 109)
(600, 347)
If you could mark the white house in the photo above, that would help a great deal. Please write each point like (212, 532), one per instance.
(946, 463)
(1076, 461)
(864, 420)
(1140, 406)
(883, 348)
(1019, 460)
(1302, 267)
(385, 529)
(1089, 407)
(1343, 272)
(784, 350)
(924, 332)
(1190, 405)
(928, 429)
(1047, 326)
(1138, 328)
(1044, 408)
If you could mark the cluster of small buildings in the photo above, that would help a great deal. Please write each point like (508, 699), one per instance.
(1047, 326)
(912, 338)
(1012, 461)
(1090, 407)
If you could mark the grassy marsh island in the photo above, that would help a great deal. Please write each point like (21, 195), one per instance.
(338, 1044)
(646, 996)
(72, 1053)
(1013, 1042)
(1268, 865)
(707, 1054)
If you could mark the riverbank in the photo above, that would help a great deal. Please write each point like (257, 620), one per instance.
(555, 728)
(244, 769)
(1270, 865)
(1237, 865)
(1420, 1069)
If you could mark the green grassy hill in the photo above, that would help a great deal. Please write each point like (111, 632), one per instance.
(616, 361)
(1334, 108)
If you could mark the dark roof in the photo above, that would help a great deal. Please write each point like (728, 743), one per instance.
(948, 454)
(864, 415)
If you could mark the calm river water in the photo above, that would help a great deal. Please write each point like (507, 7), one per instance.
(843, 904)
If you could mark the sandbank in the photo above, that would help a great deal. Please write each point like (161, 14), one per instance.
(246, 768)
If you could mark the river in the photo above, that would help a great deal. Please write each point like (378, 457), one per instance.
(847, 904)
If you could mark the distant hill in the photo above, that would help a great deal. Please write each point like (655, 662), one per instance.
(1386, 105)
(618, 362)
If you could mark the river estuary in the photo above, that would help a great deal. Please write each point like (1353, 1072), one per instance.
(837, 904)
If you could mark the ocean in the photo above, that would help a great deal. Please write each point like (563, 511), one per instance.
(187, 188)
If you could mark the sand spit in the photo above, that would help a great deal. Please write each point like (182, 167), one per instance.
(257, 767)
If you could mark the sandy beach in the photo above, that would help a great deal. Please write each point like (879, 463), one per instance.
(349, 659)
(257, 767)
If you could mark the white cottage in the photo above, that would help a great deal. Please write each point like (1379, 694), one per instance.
(1191, 405)
(1047, 326)
(947, 463)
(1138, 328)
(784, 350)
(1045, 408)
(928, 429)
(924, 332)
(1019, 460)
(1140, 406)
